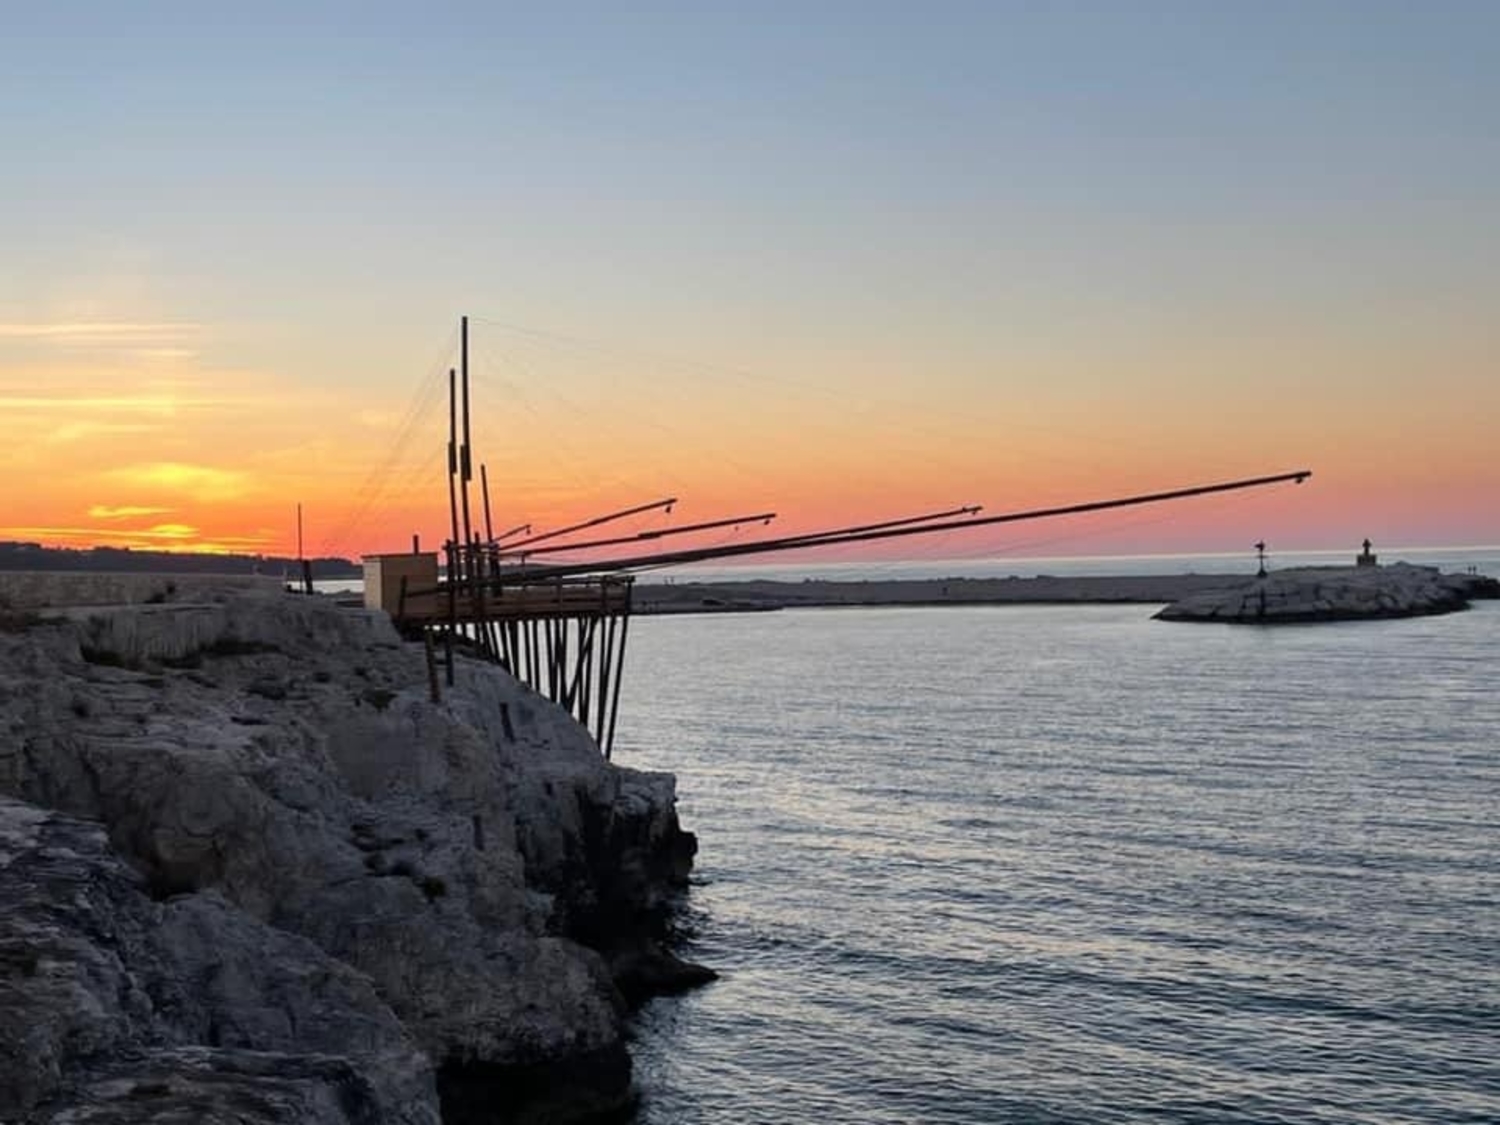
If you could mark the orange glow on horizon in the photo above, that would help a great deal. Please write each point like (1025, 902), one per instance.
(172, 452)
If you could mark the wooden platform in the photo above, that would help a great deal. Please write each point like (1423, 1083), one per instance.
(563, 637)
(466, 604)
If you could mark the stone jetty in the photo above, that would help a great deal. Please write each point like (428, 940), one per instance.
(251, 871)
(767, 594)
(1306, 594)
(1335, 594)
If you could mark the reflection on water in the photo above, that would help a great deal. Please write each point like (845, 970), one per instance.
(1066, 864)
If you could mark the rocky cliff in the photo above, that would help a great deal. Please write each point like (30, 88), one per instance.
(1335, 594)
(249, 870)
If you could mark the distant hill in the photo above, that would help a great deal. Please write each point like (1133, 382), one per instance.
(33, 556)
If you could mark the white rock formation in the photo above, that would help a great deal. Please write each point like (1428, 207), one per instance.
(1334, 594)
(274, 770)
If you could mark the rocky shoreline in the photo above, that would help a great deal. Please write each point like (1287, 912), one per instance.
(250, 871)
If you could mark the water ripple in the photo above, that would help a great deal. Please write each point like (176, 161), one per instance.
(1066, 865)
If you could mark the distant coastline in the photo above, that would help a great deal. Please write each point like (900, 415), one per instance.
(122, 560)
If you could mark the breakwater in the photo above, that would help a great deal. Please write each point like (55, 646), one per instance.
(1349, 593)
(1293, 595)
(764, 594)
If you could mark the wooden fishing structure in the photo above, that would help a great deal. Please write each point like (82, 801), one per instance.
(561, 627)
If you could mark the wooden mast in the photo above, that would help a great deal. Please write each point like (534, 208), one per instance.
(465, 459)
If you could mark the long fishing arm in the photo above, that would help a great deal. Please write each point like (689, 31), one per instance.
(785, 543)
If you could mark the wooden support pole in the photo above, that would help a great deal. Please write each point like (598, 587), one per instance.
(614, 706)
(606, 668)
(570, 679)
(586, 627)
(553, 688)
(432, 677)
(556, 631)
(586, 675)
(477, 609)
(448, 654)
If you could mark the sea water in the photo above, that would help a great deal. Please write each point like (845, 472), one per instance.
(1069, 864)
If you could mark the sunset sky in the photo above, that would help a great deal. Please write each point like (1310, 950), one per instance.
(843, 261)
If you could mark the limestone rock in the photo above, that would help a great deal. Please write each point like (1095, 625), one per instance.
(111, 1002)
(190, 1085)
(276, 760)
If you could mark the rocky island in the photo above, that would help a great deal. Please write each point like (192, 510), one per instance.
(251, 871)
(1335, 593)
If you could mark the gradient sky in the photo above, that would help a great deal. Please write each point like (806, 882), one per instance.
(842, 260)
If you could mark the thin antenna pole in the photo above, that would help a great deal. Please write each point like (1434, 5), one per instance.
(306, 567)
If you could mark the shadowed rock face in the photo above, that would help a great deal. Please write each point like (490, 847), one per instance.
(114, 1007)
(1335, 594)
(287, 798)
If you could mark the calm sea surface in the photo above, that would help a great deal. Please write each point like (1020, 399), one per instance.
(1067, 864)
